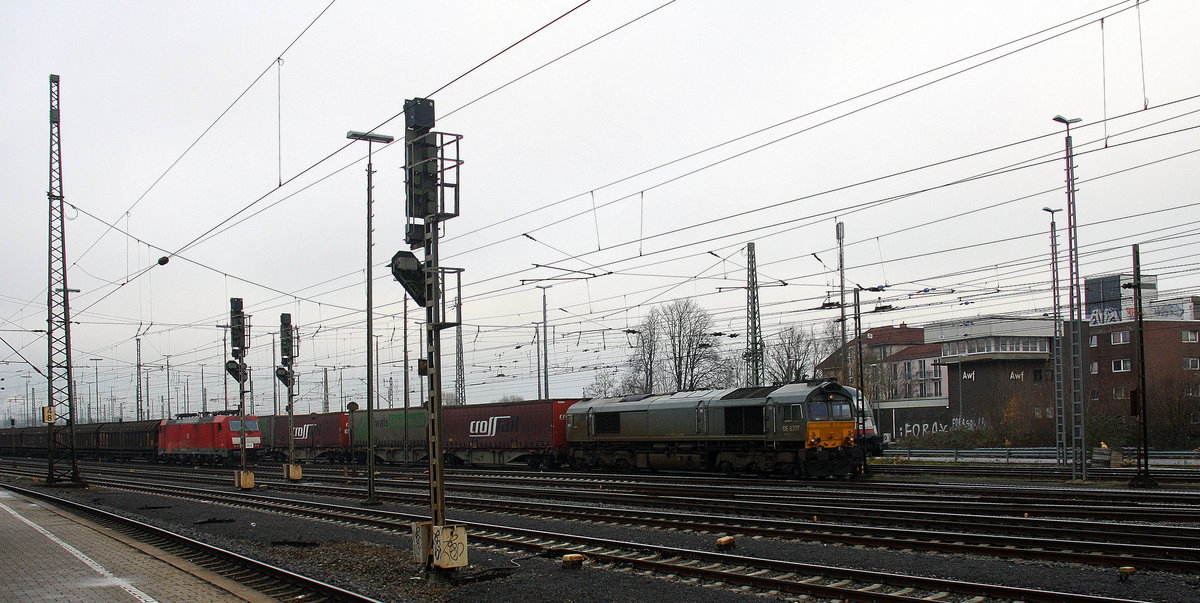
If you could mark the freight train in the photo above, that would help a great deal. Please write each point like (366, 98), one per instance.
(189, 438)
(803, 429)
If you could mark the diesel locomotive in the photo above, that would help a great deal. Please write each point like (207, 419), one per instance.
(800, 429)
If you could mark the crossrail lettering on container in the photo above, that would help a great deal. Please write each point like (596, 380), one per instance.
(486, 428)
(301, 432)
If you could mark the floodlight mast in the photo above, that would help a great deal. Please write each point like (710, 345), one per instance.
(1075, 309)
(371, 139)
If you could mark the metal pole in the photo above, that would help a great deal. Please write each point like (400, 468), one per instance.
(1060, 415)
(537, 352)
(203, 392)
(138, 380)
(1142, 479)
(841, 237)
(437, 493)
(371, 500)
(291, 385)
(225, 346)
(96, 378)
(274, 382)
(168, 357)
(545, 345)
(861, 421)
(1078, 433)
(406, 383)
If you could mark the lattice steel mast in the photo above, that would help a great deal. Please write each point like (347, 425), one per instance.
(62, 467)
(754, 347)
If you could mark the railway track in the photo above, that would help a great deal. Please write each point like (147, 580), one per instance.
(265, 578)
(1109, 544)
(1160, 474)
(707, 567)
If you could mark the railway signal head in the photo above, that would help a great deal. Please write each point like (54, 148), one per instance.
(237, 328)
(234, 368)
(284, 376)
(407, 269)
(287, 349)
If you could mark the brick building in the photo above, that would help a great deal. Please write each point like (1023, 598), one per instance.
(1172, 349)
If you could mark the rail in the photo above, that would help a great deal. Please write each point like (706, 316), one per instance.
(1186, 458)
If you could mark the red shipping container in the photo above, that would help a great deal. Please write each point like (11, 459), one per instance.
(533, 431)
(325, 431)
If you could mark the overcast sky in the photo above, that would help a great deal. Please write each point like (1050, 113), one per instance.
(650, 141)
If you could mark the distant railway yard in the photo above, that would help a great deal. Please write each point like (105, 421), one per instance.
(934, 535)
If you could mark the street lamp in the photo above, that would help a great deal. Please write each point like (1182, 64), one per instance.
(1075, 300)
(371, 139)
(1060, 422)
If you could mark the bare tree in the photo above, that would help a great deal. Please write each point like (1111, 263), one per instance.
(691, 354)
(646, 357)
(603, 385)
(511, 398)
(793, 353)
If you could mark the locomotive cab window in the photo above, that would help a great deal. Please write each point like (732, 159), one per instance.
(251, 425)
(830, 410)
(792, 413)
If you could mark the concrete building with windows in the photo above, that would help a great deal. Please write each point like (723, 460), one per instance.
(999, 368)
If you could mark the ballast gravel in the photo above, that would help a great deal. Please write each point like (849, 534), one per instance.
(379, 564)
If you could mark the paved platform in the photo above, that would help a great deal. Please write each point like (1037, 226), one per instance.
(49, 555)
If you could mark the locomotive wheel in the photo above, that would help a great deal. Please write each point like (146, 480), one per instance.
(622, 465)
(725, 467)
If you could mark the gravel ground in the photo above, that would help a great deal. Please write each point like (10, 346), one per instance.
(379, 563)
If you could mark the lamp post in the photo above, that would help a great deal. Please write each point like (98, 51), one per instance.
(371, 139)
(1075, 300)
(1060, 419)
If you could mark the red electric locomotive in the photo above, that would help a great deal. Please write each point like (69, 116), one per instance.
(208, 438)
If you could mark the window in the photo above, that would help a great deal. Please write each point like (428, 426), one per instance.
(1093, 341)
(937, 388)
(1120, 393)
(608, 422)
(1191, 336)
(1119, 337)
(1095, 394)
(1095, 368)
(1191, 364)
(1122, 365)
(793, 413)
